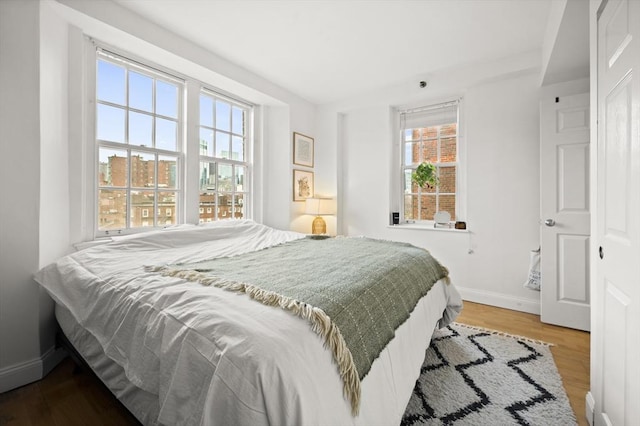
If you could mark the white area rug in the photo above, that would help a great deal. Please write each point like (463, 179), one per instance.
(473, 376)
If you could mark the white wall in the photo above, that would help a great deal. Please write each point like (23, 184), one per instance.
(501, 130)
(54, 134)
(20, 309)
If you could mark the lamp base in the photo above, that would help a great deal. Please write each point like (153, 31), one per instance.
(319, 226)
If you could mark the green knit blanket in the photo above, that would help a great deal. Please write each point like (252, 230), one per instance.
(355, 292)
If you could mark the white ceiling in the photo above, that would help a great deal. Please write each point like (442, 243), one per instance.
(327, 50)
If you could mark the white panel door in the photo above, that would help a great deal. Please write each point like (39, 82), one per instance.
(616, 321)
(564, 206)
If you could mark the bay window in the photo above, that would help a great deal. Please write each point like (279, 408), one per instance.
(141, 148)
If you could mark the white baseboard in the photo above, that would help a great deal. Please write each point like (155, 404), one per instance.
(500, 300)
(21, 374)
(590, 407)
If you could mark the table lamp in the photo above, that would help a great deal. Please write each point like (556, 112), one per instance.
(318, 207)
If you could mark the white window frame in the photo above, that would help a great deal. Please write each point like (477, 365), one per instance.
(244, 204)
(107, 55)
(187, 202)
(398, 202)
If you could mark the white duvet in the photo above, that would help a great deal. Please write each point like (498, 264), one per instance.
(219, 358)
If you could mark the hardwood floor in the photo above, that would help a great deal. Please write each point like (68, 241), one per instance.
(68, 396)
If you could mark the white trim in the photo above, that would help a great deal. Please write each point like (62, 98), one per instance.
(590, 407)
(89, 147)
(26, 372)
(500, 300)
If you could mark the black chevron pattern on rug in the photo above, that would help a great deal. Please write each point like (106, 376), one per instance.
(483, 399)
(456, 355)
(544, 395)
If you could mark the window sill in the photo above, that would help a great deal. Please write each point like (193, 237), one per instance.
(415, 226)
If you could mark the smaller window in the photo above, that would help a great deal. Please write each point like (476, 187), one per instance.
(168, 212)
(145, 213)
(430, 134)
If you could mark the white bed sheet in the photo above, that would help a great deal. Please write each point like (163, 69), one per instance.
(216, 358)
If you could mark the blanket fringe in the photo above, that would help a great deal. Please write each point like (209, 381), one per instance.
(502, 333)
(320, 322)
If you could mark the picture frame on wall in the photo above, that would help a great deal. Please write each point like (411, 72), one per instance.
(302, 150)
(302, 185)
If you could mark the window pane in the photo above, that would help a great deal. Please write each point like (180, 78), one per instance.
(143, 172)
(430, 132)
(448, 150)
(411, 153)
(140, 129)
(224, 206)
(206, 111)
(140, 92)
(409, 186)
(110, 123)
(447, 203)
(166, 134)
(427, 207)
(110, 84)
(222, 145)
(411, 135)
(238, 148)
(411, 207)
(167, 172)
(239, 178)
(238, 206)
(448, 130)
(237, 123)
(225, 181)
(112, 209)
(112, 167)
(207, 176)
(447, 176)
(166, 208)
(207, 206)
(428, 189)
(223, 116)
(206, 142)
(143, 211)
(430, 150)
(166, 99)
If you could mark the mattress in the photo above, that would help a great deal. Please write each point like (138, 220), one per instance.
(146, 338)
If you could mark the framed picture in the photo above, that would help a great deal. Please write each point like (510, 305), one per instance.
(302, 150)
(302, 185)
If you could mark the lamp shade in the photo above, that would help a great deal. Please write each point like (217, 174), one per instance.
(318, 206)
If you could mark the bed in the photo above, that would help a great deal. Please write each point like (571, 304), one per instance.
(176, 348)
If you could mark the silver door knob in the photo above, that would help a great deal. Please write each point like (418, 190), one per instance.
(550, 222)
